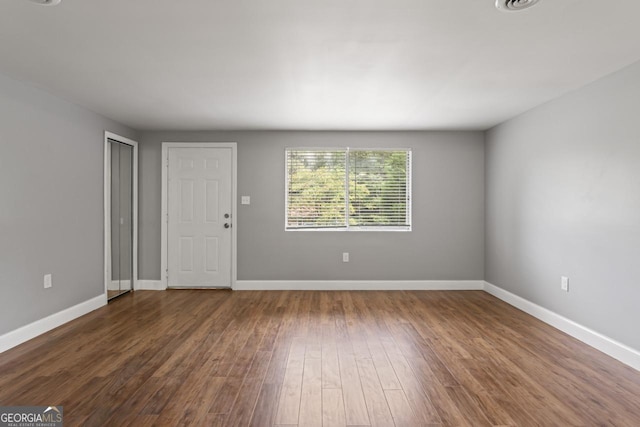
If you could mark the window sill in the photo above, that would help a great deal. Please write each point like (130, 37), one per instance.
(351, 229)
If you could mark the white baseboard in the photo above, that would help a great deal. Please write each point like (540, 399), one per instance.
(359, 285)
(150, 285)
(32, 330)
(615, 349)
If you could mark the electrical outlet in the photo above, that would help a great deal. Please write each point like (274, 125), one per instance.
(345, 257)
(48, 281)
(564, 283)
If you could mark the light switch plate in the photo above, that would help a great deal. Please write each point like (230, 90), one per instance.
(564, 283)
(48, 281)
(246, 200)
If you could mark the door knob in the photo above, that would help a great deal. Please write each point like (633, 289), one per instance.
(226, 225)
(226, 215)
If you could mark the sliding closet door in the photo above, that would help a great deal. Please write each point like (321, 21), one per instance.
(121, 222)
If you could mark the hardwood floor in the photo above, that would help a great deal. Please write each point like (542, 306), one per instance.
(221, 358)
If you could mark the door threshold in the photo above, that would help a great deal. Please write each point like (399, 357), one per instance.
(127, 292)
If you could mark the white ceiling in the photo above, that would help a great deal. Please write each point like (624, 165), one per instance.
(314, 64)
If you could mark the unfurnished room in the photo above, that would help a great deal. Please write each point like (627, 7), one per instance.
(320, 213)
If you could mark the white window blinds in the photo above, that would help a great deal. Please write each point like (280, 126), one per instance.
(348, 189)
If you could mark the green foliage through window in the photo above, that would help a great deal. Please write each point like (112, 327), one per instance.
(348, 188)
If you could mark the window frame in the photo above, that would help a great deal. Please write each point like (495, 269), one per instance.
(347, 226)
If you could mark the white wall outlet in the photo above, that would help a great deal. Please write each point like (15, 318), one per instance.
(345, 257)
(245, 200)
(564, 283)
(48, 281)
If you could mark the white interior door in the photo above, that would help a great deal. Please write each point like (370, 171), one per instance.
(199, 217)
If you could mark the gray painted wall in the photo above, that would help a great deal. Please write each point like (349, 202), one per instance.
(51, 203)
(563, 198)
(447, 241)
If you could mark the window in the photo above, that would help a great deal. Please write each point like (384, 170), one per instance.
(349, 189)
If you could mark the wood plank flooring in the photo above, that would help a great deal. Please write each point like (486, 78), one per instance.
(222, 358)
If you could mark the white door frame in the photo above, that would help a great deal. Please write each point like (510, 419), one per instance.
(107, 208)
(164, 235)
